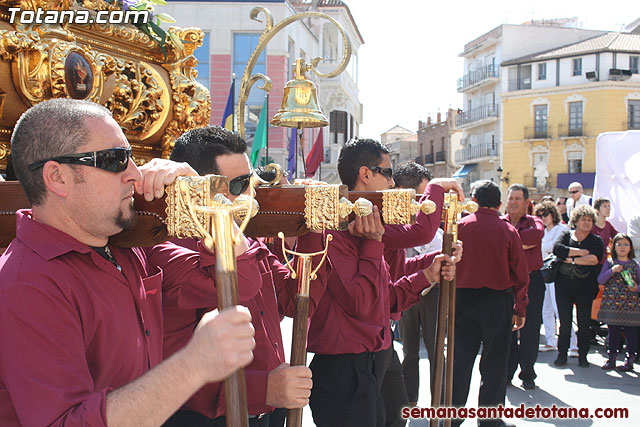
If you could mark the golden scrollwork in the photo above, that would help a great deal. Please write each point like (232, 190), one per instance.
(322, 207)
(4, 151)
(327, 207)
(184, 198)
(396, 206)
(191, 102)
(140, 99)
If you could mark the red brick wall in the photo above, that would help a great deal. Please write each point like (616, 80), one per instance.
(220, 73)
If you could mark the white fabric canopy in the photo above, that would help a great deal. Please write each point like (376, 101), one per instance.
(618, 175)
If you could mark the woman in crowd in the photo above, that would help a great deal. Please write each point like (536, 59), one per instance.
(548, 212)
(602, 227)
(620, 308)
(576, 282)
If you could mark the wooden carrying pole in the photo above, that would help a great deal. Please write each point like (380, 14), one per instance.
(305, 275)
(445, 329)
(235, 386)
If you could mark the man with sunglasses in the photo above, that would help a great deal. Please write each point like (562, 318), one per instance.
(350, 332)
(576, 198)
(270, 382)
(80, 320)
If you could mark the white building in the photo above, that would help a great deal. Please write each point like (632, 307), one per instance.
(483, 83)
(230, 38)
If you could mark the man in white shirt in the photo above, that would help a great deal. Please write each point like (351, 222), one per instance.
(576, 197)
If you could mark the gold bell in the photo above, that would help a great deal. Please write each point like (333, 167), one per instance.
(300, 103)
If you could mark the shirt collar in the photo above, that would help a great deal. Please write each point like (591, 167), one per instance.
(48, 242)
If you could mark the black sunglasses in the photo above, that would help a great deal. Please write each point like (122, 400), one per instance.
(239, 184)
(111, 159)
(386, 172)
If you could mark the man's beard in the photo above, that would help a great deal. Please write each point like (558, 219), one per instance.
(127, 223)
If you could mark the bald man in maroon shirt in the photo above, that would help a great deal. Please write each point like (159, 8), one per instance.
(81, 320)
(492, 273)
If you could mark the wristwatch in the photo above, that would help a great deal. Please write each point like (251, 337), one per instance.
(573, 260)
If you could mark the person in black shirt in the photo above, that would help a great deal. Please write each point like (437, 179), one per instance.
(577, 280)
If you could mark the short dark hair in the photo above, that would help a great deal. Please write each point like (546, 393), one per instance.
(355, 154)
(621, 236)
(520, 187)
(599, 202)
(201, 146)
(410, 175)
(580, 211)
(548, 207)
(49, 129)
(487, 194)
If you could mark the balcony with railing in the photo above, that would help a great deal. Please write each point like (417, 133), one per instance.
(440, 156)
(478, 115)
(476, 152)
(478, 77)
(537, 132)
(566, 130)
(428, 159)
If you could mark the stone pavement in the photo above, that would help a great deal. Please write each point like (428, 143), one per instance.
(569, 386)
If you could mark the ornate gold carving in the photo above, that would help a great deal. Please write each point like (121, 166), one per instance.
(184, 198)
(191, 102)
(140, 101)
(4, 151)
(427, 207)
(361, 207)
(322, 207)
(242, 204)
(396, 206)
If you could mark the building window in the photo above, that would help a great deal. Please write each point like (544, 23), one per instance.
(633, 64)
(338, 127)
(574, 159)
(540, 121)
(203, 56)
(243, 46)
(633, 120)
(575, 118)
(577, 66)
(542, 71)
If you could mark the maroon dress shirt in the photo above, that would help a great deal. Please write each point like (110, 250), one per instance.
(531, 231)
(353, 315)
(605, 234)
(267, 289)
(493, 256)
(73, 327)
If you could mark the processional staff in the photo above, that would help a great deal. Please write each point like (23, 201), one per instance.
(447, 308)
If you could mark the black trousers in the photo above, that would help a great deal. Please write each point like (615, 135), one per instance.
(483, 316)
(524, 350)
(185, 418)
(566, 296)
(345, 391)
(423, 315)
(394, 394)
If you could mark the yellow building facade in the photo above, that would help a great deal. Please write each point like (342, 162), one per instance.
(545, 156)
(555, 104)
